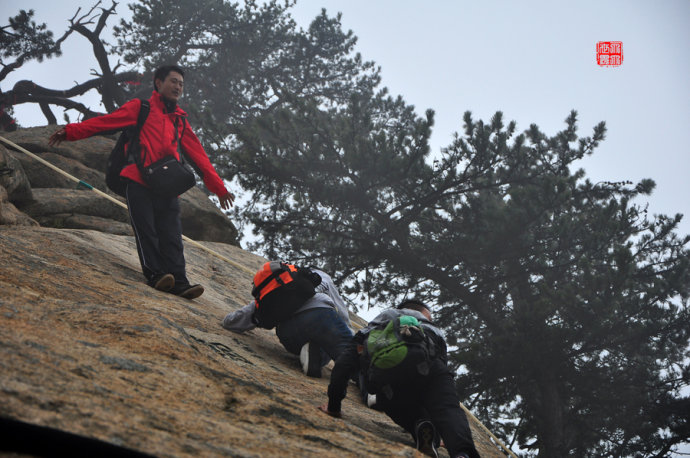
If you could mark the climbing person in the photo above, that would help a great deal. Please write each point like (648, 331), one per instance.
(304, 306)
(151, 194)
(414, 387)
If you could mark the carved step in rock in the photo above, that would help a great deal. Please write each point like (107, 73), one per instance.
(77, 221)
(52, 201)
(41, 176)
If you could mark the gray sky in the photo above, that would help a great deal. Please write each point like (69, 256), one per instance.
(533, 60)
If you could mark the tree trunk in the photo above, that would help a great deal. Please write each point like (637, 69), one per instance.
(546, 403)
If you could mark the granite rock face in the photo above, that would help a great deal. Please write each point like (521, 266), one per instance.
(201, 220)
(86, 347)
(13, 178)
(52, 201)
(9, 215)
(43, 177)
(78, 221)
(86, 160)
(89, 151)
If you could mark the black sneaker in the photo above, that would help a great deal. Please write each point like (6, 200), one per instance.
(162, 282)
(310, 357)
(425, 433)
(187, 291)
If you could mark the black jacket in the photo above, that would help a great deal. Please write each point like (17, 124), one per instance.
(348, 363)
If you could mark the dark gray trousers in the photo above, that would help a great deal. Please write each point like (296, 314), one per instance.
(431, 397)
(157, 231)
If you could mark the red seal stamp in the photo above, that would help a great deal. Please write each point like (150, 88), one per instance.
(609, 53)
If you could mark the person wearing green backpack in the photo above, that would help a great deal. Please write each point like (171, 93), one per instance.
(402, 360)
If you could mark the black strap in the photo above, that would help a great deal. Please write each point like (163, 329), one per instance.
(180, 150)
(178, 137)
(140, 158)
(143, 114)
(256, 291)
(177, 133)
(184, 126)
(6, 171)
(141, 119)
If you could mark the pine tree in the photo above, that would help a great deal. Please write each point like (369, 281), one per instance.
(565, 302)
(243, 60)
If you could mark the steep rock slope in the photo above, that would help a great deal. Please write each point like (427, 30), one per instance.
(87, 348)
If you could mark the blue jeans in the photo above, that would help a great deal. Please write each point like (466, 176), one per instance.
(321, 326)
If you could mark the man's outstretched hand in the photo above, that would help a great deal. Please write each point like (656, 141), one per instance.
(226, 201)
(58, 137)
(324, 408)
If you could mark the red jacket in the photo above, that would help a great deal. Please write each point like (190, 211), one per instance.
(157, 138)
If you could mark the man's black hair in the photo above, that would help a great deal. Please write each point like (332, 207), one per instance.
(413, 304)
(163, 72)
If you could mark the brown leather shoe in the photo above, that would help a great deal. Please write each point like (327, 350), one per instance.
(162, 282)
(187, 291)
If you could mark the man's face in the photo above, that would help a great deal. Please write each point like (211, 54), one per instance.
(171, 88)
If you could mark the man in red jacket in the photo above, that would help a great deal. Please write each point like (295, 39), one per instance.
(156, 219)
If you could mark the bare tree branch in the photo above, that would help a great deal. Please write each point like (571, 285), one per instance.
(107, 81)
(111, 95)
(29, 92)
(45, 108)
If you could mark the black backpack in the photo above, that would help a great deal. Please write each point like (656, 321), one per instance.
(120, 157)
(398, 349)
(279, 290)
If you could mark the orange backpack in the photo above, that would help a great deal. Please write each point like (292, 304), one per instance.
(279, 290)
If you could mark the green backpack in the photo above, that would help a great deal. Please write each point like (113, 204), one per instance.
(396, 349)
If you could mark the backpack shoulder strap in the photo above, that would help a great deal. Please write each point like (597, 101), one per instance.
(143, 113)
(144, 110)
(184, 126)
(180, 150)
